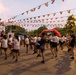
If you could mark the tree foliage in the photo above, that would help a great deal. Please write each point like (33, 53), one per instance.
(71, 21)
(16, 29)
(38, 31)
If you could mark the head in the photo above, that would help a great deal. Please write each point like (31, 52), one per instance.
(4, 37)
(10, 36)
(16, 36)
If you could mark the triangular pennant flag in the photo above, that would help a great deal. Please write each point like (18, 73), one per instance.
(34, 17)
(31, 10)
(30, 18)
(52, 1)
(39, 7)
(38, 16)
(27, 12)
(54, 14)
(51, 18)
(61, 12)
(26, 18)
(63, 0)
(46, 19)
(22, 13)
(50, 21)
(68, 11)
(42, 20)
(43, 15)
(56, 18)
(48, 14)
(46, 4)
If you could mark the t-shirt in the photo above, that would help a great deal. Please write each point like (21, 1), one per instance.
(16, 44)
(55, 39)
(39, 38)
(10, 41)
(4, 43)
(35, 39)
(26, 41)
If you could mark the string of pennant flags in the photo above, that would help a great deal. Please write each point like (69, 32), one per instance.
(49, 21)
(39, 20)
(33, 9)
(54, 14)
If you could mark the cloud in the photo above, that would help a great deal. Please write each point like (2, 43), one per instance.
(3, 8)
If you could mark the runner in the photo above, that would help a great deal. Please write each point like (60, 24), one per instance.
(71, 45)
(62, 41)
(38, 46)
(27, 43)
(10, 40)
(42, 46)
(55, 41)
(4, 45)
(16, 48)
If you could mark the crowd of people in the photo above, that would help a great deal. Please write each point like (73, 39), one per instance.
(38, 44)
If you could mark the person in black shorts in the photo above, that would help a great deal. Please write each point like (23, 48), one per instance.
(4, 45)
(71, 45)
(42, 46)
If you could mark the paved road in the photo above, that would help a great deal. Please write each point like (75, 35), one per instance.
(29, 64)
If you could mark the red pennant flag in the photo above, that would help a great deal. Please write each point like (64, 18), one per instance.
(48, 14)
(38, 16)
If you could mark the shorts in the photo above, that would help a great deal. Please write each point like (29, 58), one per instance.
(54, 44)
(5, 49)
(10, 46)
(38, 46)
(42, 50)
(26, 45)
(61, 43)
(72, 44)
(15, 50)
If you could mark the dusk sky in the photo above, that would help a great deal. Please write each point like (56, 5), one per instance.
(11, 8)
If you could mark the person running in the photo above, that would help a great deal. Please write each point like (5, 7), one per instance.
(38, 46)
(42, 46)
(71, 45)
(35, 41)
(27, 43)
(0, 48)
(62, 41)
(4, 45)
(10, 40)
(16, 48)
(55, 42)
(31, 41)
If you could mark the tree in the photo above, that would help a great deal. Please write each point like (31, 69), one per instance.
(16, 29)
(71, 21)
(38, 31)
(41, 29)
